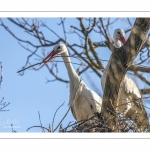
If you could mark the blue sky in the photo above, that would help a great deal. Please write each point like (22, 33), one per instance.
(30, 93)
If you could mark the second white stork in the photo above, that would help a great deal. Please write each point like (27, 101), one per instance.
(130, 102)
(83, 101)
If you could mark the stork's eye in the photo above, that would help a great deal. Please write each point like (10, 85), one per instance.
(58, 47)
(118, 32)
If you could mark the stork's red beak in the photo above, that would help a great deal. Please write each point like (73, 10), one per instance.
(123, 40)
(48, 58)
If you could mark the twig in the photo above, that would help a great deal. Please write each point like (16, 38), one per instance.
(55, 114)
(41, 122)
(41, 62)
(13, 129)
(38, 127)
(28, 67)
(3, 105)
(69, 107)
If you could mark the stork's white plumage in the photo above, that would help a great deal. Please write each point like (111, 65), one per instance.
(130, 94)
(83, 101)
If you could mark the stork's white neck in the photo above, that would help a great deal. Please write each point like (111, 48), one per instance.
(117, 43)
(71, 72)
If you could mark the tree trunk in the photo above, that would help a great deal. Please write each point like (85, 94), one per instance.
(121, 59)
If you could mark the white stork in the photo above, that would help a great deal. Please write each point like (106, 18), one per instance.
(130, 94)
(83, 101)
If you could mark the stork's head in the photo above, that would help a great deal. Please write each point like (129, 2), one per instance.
(119, 34)
(57, 50)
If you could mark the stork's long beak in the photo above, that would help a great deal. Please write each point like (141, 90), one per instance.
(48, 58)
(122, 39)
